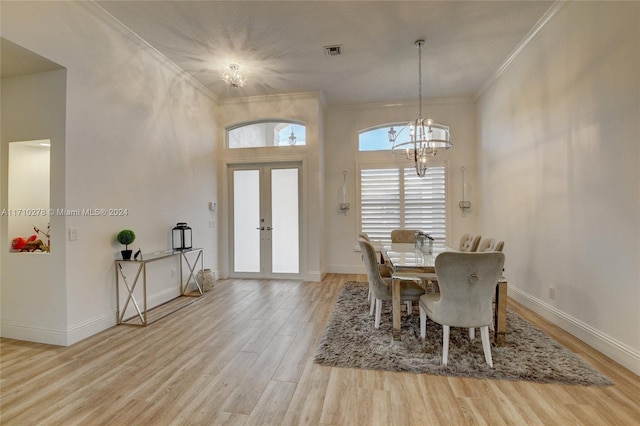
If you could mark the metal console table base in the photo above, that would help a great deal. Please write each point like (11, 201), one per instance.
(142, 312)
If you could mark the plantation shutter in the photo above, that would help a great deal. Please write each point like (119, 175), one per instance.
(424, 202)
(392, 198)
(380, 202)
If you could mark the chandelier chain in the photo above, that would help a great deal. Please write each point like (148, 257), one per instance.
(419, 43)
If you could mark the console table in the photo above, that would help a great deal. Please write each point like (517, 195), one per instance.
(196, 255)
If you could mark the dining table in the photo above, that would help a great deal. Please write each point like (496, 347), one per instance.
(409, 262)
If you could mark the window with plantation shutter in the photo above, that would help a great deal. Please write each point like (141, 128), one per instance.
(424, 202)
(380, 202)
(393, 198)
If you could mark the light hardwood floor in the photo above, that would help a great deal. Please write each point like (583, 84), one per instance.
(244, 355)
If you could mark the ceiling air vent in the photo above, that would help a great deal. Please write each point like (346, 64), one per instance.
(333, 50)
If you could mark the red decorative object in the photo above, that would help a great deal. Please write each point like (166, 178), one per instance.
(20, 243)
(33, 243)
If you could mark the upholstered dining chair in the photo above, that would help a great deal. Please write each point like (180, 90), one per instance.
(385, 272)
(490, 244)
(409, 236)
(364, 236)
(384, 269)
(467, 282)
(403, 235)
(380, 287)
(469, 243)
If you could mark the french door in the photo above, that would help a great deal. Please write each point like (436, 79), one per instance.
(265, 230)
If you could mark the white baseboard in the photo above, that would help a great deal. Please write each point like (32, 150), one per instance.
(90, 327)
(39, 333)
(347, 269)
(52, 335)
(612, 348)
(313, 276)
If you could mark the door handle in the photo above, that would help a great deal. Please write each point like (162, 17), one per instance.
(260, 228)
(269, 228)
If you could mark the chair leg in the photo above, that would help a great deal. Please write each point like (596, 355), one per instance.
(486, 345)
(409, 307)
(378, 313)
(423, 322)
(372, 305)
(445, 344)
(472, 333)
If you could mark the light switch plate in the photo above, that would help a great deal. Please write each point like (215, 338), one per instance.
(73, 234)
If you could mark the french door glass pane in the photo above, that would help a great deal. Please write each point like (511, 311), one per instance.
(246, 218)
(284, 212)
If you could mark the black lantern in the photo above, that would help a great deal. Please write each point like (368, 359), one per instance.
(181, 236)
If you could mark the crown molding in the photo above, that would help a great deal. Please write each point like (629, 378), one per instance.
(531, 35)
(318, 96)
(126, 31)
(400, 104)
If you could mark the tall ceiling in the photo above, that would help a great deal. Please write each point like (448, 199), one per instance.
(280, 44)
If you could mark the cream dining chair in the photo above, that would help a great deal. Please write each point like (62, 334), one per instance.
(467, 282)
(469, 243)
(428, 281)
(385, 272)
(403, 236)
(490, 244)
(380, 287)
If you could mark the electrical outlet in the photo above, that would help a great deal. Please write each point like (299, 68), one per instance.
(73, 234)
(552, 293)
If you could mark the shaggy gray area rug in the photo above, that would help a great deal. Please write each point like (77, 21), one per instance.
(350, 340)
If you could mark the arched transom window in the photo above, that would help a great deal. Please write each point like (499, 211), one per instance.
(267, 134)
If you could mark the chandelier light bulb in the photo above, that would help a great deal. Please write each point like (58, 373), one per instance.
(232, 76)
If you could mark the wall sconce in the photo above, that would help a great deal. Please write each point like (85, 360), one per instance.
(344, 205)
(464, 204)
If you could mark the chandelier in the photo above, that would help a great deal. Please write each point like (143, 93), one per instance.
(292, 137)
(428, 142)
(233, 76)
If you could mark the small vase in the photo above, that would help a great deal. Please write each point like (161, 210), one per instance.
(205, 278)
(126, 254)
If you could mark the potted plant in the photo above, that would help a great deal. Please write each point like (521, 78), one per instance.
(126, 237)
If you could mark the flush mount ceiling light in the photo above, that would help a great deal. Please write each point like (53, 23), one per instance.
(233, 76)
(428, 142)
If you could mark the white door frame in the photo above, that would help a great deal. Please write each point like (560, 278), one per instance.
(264, 166)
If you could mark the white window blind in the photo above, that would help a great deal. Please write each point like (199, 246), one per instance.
(393, 198)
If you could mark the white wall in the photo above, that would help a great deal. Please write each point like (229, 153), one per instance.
(301, 107)
(560, 173)
(33, 286)
(343, 124)
(140, 136)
